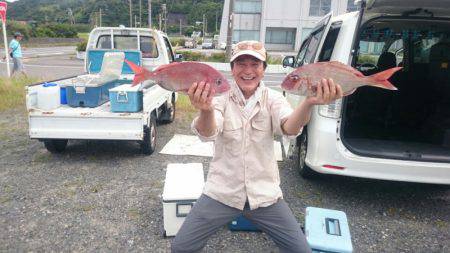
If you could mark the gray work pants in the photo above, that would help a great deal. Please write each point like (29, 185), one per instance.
(208, 215)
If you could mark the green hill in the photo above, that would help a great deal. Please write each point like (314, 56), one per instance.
(115, 12)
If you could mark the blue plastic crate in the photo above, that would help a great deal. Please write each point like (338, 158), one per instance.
(327, 231)
(242, 224)
(89, 96)
(125, 98)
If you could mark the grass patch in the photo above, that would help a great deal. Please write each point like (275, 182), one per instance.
(441, 224)
(12, 92)
(157, 184)
(84, 36)
(86, 207)
(96, 188)
(133, 213)
(42, 157)
(5, 199)
(184, 108)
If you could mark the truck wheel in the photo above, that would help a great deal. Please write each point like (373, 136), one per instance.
(303, 169)
(169, 109)
(55, 146)
(148, 144)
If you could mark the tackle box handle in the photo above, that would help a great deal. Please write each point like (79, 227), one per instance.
(122, 96)
(332, 226)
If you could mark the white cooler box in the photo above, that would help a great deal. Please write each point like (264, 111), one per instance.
(183, 186)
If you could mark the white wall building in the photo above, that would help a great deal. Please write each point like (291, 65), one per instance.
(280, 24)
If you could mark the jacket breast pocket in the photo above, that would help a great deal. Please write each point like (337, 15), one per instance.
(261, 127)
(232, 135)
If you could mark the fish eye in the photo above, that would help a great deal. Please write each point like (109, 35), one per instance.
(294, 77)
(219, 82)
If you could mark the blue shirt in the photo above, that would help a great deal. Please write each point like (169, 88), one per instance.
(15, 47)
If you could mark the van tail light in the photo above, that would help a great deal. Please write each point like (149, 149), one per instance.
(328, 166)
(332, 110)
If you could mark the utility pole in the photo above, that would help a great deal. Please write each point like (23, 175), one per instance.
(140, 13)
(164, 10)
(131, 13)
(180, 28)
(160, 21)
(135, 19)
(100, 17)
(204, 30)
(149, 13)
(230, 28)
(216, 22)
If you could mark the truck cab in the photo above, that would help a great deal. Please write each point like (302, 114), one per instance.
(145, 40)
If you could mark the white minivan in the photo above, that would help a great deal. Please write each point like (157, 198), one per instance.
(399, 135)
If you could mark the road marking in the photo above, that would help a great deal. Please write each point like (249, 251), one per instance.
(49, 66)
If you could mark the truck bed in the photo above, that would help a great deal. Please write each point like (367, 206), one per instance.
(99, 123)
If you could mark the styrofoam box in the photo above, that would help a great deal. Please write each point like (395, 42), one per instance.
(183, 186)
(327, 231)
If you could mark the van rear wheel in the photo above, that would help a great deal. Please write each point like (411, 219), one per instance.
(303, 169)
(55, 146)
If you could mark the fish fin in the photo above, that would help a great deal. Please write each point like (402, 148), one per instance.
(382, 78)
(139, 72)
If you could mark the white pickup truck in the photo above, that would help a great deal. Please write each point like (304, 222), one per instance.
(56, 126)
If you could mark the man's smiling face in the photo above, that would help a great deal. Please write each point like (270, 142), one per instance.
(247, 72)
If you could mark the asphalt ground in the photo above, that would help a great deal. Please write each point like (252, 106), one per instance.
(103, 196)
(106, 196)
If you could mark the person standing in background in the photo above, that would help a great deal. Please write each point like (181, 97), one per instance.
(15, 52)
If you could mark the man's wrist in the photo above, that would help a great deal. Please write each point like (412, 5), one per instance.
(308, 104)
(207, 111)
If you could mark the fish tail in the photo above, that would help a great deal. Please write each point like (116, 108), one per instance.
(139, 72)
(381, 79)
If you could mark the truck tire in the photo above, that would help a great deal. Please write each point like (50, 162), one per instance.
(303, 169)
(148, 144)
(168, 113)
(55, 146)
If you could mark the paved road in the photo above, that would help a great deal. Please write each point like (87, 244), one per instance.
(48, 51)
(60, 66)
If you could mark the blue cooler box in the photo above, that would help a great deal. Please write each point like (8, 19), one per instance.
(105, 67)
(242, 224)
(125, 98)
(327, 231)
(89, 96)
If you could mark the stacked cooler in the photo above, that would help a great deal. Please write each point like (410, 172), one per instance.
(106, 71)
(183, 186)
(92, 90)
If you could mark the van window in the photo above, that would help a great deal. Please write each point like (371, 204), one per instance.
(169, 50)
(129, 42)
(309, 48)
(330, 40)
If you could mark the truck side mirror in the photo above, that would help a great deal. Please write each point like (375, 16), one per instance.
(178, 57)
(288, 61)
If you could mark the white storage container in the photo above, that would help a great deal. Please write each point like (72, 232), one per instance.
(183, 186)
(48, 96)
